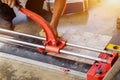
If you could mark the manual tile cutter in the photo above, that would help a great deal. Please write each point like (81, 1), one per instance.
(52, 44)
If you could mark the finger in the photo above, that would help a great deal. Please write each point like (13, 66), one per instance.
(2, 1)
(5, 1)
(9, 2)
(13, 2)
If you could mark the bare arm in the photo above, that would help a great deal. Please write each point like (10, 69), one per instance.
(57, 11)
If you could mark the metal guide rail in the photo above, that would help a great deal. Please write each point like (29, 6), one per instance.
(9, 39)
(8, 36)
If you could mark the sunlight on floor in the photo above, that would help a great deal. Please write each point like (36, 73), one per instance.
(114, 2)
(113, 5)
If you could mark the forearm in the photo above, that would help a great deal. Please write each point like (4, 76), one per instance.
(57, 11)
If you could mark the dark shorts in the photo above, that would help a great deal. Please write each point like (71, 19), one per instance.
(35, 5)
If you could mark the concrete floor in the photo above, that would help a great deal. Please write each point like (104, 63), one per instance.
(100, 19)
(14, 70)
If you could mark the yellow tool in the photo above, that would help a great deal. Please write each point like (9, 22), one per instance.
(113, 47)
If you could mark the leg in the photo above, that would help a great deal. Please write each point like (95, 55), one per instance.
(6, 16)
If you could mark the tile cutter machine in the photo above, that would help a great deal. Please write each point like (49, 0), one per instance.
(102, 63)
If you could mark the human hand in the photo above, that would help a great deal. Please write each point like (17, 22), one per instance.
(11, 3)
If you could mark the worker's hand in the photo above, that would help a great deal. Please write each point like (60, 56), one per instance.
(11, 3)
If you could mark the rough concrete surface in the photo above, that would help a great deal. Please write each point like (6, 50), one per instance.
(13, 70)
